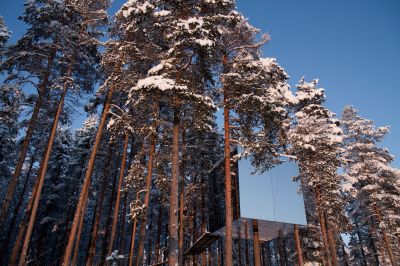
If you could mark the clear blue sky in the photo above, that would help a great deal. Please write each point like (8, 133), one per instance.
(353, 47)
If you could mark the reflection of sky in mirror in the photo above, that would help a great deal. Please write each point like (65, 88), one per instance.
(271, 196)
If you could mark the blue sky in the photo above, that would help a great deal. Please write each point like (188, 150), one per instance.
(351, 46)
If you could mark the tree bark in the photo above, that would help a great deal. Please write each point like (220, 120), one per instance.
(322, 224)
(87, 180)
(256, 241)
(299, 250)
(98, 211)
(386, 240)
(41, 177)
(143, 224)
(331, 242)
(104, 245)
(228, 180)
(373, 246)
(25, 145)
(118, 200)
(132, 247)
(174, 193)
(78, 238)
(181, 222)
(23, 224)
(182, 202)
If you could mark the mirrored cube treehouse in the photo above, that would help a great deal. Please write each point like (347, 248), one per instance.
(256, 241)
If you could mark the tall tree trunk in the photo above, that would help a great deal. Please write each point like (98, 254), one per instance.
(25, 145)
(174, 193)
(21, 159)
(143, 224)
(331, 242)
(118, 200)
(45, 162)
(132, 247)
(181, 222)
(87, 180)
(104, 245)
(299, 250)
(15, 214)
(228, 180)
(78, 238)
(386, 240)
(373, 246)
(322, 224)
(121, 243)
(23, 224)
(98, 211)
(256, 241)
(182, 201)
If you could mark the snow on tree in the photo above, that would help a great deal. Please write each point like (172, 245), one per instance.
(260, 103)
(56, 33)
(371, 183)
(11, 100)
(315, 140)
(4, 35)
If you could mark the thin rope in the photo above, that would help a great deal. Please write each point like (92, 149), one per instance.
(274, 181)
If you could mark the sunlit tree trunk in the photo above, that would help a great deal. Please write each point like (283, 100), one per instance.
(181, 222)
(118, 199)
(98, 211)
(323, 228)
(45, 162)
(104, 245)
(256, 241)
(331, 242)
(143, 224)
(78, 238)
(174, 193)
(299, 250)
(182, 202)
(25, 145)
(87, 179)
(386, 240)
(228, 179)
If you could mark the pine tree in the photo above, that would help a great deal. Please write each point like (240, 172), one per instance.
(77, 43)
(11, 100)
(4, 35)
(315, 140)
(370, 180)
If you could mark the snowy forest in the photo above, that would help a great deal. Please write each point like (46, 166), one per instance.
(179, 92)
